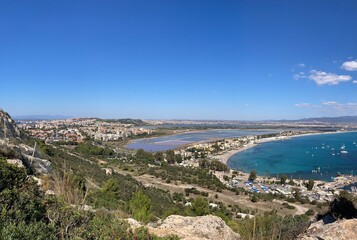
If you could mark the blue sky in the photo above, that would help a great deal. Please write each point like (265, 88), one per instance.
(179, 59)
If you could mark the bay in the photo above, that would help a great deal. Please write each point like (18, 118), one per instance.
(307, 157)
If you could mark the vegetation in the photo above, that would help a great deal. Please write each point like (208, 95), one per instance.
(199, 176)
(140, 207)
(272, 226)
(343, 206)
(135, 122)
(252, 176)
(213, 165)
(310, 185)
(78, 179)
(90, 149)
(200, 207)
(283, 178)
(27, 214)
(111, 192)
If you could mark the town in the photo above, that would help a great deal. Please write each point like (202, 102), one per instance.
(78, 129)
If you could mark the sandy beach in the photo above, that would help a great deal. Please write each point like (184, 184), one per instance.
(224, 156)
(227, 154)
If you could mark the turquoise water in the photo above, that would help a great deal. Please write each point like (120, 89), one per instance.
(297, 157)
(175, 141)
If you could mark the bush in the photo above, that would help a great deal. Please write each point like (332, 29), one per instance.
(200, 207)
(288, 206)
(89, 149)
(342, 206)
(254, 198)
(252, 176)
(310, 212)
(140, 207)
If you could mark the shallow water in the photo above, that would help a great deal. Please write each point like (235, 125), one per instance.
(299, 156)
(175, 141)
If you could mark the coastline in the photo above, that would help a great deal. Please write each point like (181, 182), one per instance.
(225, 156)
(181, 146)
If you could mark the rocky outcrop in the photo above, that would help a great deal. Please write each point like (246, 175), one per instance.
(345, 229)
(8, 126)
(195, 228)
(13, 147)
(38, 165)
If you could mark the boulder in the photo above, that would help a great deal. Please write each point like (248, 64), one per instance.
(195, 228)
(345, 229)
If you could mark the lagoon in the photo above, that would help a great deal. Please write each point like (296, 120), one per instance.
(178, 140)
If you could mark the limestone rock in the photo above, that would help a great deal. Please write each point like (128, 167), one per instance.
(133, 223)
(16, 162)
(195, 228)
(345, 229)
(8, 126)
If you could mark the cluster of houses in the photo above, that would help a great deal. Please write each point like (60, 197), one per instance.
(77, 129)
(321, 192)
(211, 149)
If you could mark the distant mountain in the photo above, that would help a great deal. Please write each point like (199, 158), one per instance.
(342, 119)
(41, 117)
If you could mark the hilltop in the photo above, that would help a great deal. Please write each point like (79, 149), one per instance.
(85, 186)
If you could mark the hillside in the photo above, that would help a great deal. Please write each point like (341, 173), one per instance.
(91, 191)
(135, 122)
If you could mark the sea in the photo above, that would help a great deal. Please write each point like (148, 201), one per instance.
(178, 140)
(320, 157)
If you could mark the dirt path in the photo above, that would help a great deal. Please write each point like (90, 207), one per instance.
(299, 209)
(225, 196)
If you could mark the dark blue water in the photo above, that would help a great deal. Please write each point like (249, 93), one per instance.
(175, 141)
(298, 156)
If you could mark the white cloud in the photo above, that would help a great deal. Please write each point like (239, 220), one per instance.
(302, 105)
(301, 65)
(330, 103)
(355, 81)
(322, 78)
(299, 75)
(350, 65)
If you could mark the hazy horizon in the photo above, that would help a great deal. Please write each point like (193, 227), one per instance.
(60, 117)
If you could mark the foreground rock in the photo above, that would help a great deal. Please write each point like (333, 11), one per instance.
(195, 228)
(342, 230)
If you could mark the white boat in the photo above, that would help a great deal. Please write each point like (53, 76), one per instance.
(344, 151)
